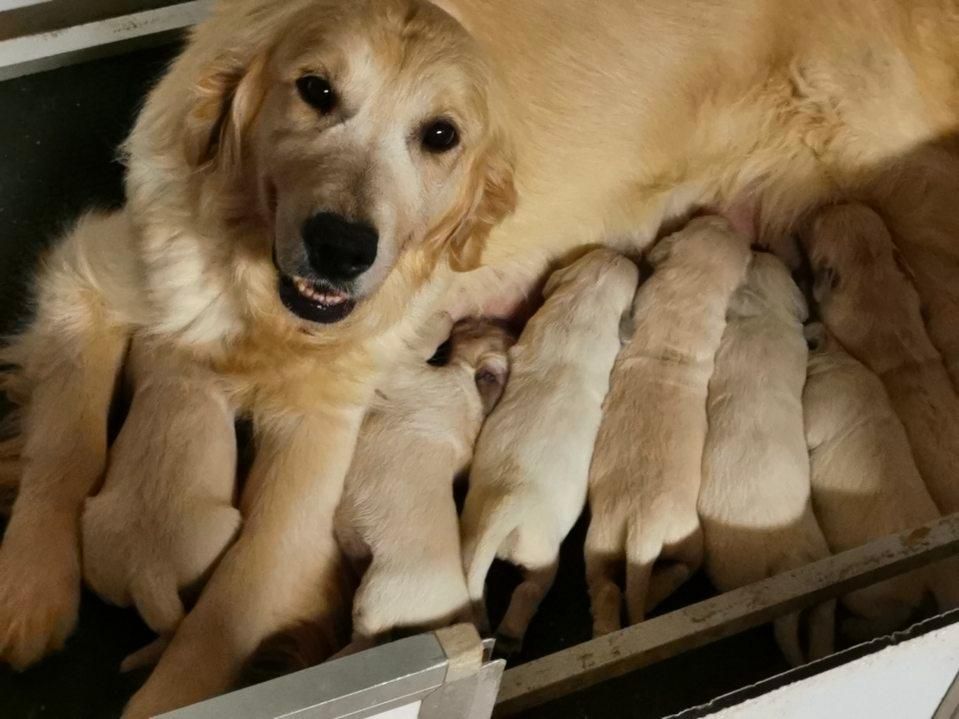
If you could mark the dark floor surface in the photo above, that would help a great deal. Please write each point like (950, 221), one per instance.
(58, 137)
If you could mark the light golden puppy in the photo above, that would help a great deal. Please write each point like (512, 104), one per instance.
(646, 468)
(299, 130)
(166, 511)
(865, 483)
(754, 504)
(398, 520)
(529, 476)
(868, 302)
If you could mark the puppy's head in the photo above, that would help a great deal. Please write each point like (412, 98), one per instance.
(355, 133)
(770, 288)
(594, 269)
(480, 347)
(707, 250)
(859, 278)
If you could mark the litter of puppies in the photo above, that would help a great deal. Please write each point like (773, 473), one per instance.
(690, 409)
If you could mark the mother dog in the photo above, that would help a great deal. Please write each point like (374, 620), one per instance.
(308, 172)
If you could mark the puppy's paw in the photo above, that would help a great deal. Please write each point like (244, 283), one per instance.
(507, 646)
(39, 603)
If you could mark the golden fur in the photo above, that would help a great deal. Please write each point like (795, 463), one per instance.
(754, 504)
(591, 123)
(867, 300)
(646, 467)
(865, 483)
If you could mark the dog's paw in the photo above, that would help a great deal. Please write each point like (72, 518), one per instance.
(39, 603)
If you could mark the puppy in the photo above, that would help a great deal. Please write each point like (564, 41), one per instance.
(166, 512)
(529, 477)
(645, 473)
(397, 514)
(868, 302)
(865, 483)
(755, 498)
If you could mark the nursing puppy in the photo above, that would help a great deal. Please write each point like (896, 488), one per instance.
(645, 474)
(160, 523)
(530, 472)
(398, 516)
(755, 503)
(868, 302)
(865, 483)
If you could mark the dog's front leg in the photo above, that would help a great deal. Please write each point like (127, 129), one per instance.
(283, 568)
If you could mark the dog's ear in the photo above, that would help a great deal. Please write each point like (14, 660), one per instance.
(225, 100)
(200, 110)
(492, 196)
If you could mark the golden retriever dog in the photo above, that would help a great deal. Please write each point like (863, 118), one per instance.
(397, 521)
(754, 505)
(158, 526)
(294, 136)
(646, 467)
(530, 472)
(865, 483)
(868, 302)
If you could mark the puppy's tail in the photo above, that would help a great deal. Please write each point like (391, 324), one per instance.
(148, 656)
(10, 469)
(481, 544)
(157, 598)
(822, 634)
(944, 583)
(786, 630)
(14, 392)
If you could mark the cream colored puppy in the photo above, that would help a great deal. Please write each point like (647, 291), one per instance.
(397, 513)
(865, 483)
(645, 474)
(869, 303)
(755, 499)
(530, 473)
(166, 511)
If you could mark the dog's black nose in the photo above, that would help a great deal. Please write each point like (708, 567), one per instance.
(338, 248)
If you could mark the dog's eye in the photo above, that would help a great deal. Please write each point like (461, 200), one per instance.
(440, 136)
(317, 92)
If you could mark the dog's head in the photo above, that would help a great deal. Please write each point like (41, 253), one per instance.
(354, 132)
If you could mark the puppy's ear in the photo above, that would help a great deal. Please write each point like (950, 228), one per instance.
(492, 196)
(816, 338)
(491, 376)
(556, 279)
(660, 252)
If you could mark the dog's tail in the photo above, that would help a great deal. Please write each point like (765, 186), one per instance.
(156, 596)
(481, 542)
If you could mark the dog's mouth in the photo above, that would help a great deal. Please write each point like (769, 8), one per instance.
(314, 301)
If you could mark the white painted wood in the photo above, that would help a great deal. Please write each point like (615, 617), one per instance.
(14, 4)
(904, 681)
(22, 55)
